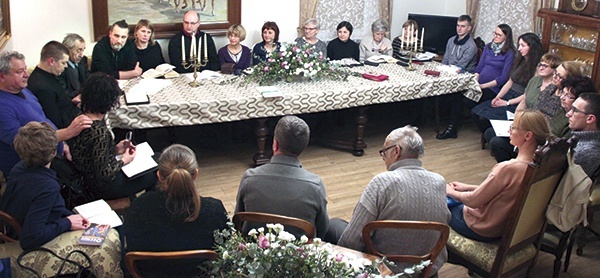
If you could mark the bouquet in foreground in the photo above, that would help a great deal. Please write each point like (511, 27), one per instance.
(296, 63)
(277, 253)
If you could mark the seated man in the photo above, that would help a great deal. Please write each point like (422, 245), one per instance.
(18, 106)
(77, 70)
(115, 54)
(32, 194)
(43, 82)
(405, 192)
(282, 186)
(583, 120)
(191, 22)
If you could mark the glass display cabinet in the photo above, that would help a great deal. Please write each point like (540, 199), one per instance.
(573, 37)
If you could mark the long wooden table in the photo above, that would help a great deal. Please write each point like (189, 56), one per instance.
(181, 105)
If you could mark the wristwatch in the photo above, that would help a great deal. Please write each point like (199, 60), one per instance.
(508, 103)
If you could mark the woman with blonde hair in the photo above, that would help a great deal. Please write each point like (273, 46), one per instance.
(235, 56)
(175, 217)
(149, 53)
(484, 210)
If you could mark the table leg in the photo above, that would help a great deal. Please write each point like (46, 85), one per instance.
(361, 120)
(261, 131)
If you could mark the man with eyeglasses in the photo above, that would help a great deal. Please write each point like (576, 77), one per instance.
(407, 191)
(189, 32)
(115, 54)
(77, 65)
(583, 120)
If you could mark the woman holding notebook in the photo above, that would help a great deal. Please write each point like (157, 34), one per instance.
(94, 153)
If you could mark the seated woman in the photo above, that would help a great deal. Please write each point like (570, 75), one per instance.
(32, 195)
(511, 94)
(401, 42)
(549, 102)
(175, 217)
(94, 151)
(311, 29)
(147, 50)
(484, 210)
(376, 44)
(270, 43)
(342, 46)
(235, 54)
(492, 72)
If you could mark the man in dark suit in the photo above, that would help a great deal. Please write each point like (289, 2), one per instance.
(77, 65)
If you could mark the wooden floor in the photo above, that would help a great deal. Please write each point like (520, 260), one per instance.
(345, 176)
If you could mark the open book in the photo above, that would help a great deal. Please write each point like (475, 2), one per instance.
(99, 212)
(165, 70)
(142, 162)
(94, 234)
(382, 59)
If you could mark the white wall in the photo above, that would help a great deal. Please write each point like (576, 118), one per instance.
(35, 22)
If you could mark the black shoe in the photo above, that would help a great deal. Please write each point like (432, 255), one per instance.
(450, 132)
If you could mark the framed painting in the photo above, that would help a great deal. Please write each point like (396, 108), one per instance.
(4, 23)
(166, 15)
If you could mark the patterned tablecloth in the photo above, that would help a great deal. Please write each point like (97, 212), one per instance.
(180, 105)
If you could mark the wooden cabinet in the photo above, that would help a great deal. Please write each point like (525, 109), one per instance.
(573, 37)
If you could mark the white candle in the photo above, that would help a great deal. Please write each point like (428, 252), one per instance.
(182, 49)
(193, 47)
(422, 36)
(411, 38)
(198, 50)
(205, 48)
(402, 40)
(415, 39)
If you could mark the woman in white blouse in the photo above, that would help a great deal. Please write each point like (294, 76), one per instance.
(377, 44)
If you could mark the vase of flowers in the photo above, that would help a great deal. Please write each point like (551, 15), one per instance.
(273, 252)
(294, 63)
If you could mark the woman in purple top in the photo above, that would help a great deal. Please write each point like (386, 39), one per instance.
(234, 52)
(493, 70)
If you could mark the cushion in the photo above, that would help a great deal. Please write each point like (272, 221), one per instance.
(105, 258)
(483, 254)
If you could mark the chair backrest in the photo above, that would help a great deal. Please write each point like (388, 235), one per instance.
(241, 217)
(132, 257)
(8, 226)
(443, 229)
(540, 181)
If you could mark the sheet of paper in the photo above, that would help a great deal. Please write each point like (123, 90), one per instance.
(501, 127)
(510, 115)
(448, 69)
(149, 86)
(204, 75)
(141, 162)
(107, 217)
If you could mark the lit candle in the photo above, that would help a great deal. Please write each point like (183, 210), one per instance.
(182, 49)
(422, 36)
(205, 48)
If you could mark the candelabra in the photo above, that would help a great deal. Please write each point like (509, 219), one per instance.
(196, 63)
(411, 55)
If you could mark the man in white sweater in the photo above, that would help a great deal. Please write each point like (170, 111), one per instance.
(405, 192)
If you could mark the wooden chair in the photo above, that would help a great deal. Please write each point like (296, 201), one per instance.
(520, 243)
(412, 225)
(8, 223)
(132, 257)
(241, 217)
(556, 242)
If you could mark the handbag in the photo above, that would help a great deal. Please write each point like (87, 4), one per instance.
(83, 271)
(568, 206)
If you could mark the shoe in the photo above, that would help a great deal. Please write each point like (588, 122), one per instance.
(450, 132)
(483, 142)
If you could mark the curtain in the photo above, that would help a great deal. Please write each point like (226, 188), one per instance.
(521, 15)
(361, 13)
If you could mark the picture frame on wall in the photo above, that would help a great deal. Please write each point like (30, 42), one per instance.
(165, 15)
(4, 23)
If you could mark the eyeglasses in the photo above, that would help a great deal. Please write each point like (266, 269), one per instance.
(557, 75)
(382, 151)
(543, 66)
(575, 110)
(190, 22)
(497, 34)
(512, 127)
(309, 29)
(565, 94)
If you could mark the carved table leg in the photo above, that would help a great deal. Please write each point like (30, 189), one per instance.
(261, 131)
(359, 145)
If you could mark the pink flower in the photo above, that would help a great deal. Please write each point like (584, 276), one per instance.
(242, 247)
(266, 69)
(364, 275)
(295, 48)
(263, 242)
(307, 51)
(339, 257)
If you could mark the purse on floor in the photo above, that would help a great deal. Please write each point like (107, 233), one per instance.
(82, 272)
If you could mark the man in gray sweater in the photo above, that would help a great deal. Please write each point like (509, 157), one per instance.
(405, 192)
(282, 186)
(583, 120)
